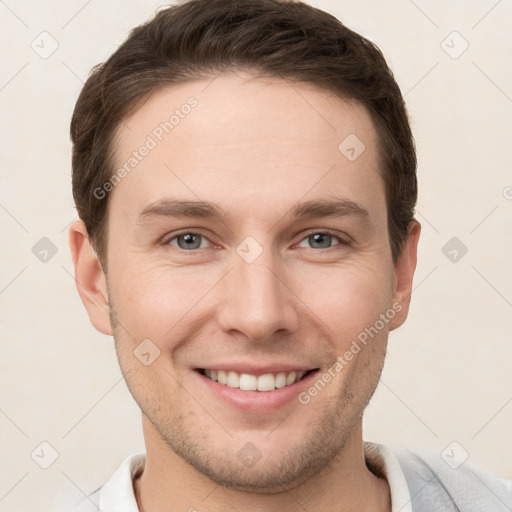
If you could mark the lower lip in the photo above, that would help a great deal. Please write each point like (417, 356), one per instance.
(258, 401)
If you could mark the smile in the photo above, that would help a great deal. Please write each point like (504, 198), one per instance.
(250, 382)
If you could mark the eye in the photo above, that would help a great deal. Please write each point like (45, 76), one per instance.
(188, 241)
(322, 240)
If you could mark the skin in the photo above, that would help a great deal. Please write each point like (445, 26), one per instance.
(255, 147)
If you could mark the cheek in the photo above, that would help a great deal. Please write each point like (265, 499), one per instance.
(347, 299)
(154, 301)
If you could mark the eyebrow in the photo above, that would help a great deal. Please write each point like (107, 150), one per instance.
(168, 207)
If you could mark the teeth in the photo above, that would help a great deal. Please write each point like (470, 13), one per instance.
(233, 380)
(281, 380)
(247, 382)
(290, 378)
(266, 382)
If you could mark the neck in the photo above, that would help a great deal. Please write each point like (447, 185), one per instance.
(345, 485)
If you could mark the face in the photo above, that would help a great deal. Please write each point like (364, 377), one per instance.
(248, 255)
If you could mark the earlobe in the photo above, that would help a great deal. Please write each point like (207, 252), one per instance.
(404, 273)
(90, 278)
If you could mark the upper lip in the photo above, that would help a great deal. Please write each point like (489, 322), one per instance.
(257, 369)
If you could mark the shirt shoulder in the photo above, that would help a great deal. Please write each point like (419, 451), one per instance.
(437, 484)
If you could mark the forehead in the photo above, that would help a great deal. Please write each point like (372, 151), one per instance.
(240, 138)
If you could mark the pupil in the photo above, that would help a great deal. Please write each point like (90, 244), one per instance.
(321, 238)
(190, 241)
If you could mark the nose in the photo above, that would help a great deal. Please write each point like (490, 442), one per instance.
(257, 300)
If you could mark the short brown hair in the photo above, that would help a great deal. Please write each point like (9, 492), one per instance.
(198, 39)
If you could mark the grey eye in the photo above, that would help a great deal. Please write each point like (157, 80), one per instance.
(319, 240)
(188, 241)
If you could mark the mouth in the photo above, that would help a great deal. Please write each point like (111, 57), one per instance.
(250, 382)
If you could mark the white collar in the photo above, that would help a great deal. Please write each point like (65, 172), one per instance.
(385, 462)
(117, 494)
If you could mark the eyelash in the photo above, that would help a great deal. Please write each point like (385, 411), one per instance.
(327, 232)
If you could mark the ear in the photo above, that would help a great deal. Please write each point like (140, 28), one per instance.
(90, 278)
(404, 272)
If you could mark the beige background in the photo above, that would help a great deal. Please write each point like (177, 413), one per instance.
(448, 374)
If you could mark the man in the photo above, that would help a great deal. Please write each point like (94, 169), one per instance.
(245, 177)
